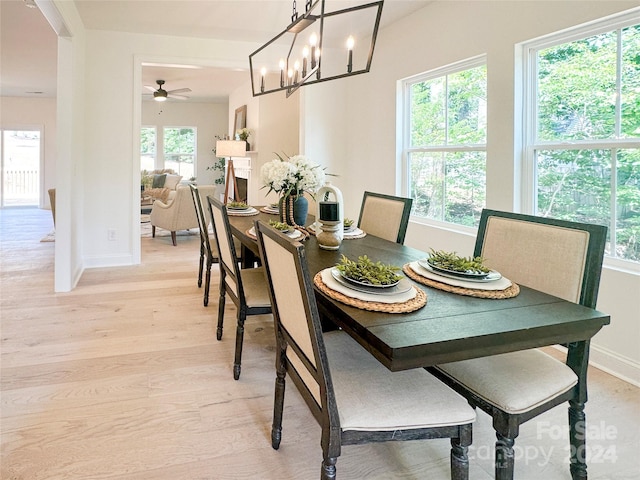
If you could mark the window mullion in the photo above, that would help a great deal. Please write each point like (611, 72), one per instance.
(618, 120)
(613, 201)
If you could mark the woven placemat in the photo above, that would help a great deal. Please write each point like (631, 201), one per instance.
(508, 292)
(419, 301)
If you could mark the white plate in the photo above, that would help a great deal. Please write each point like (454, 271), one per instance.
(239, 209)
(354, 232)
(292, 234)
(492, 276)
(403, 285)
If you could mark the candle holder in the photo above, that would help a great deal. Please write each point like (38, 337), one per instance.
(329, 234)
(329, 217)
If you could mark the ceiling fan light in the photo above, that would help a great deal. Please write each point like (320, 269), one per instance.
(160, 96)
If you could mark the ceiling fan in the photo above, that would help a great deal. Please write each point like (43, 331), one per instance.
(160, 94)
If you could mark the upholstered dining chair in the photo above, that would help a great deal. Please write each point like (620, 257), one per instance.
(560, 258)
(354, 398)
(385, 216)
(247, 288)
(52, 202)
(208, 246)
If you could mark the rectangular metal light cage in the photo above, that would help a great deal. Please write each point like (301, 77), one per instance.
(292, 59)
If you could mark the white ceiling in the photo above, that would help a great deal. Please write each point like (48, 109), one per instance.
(28, 44)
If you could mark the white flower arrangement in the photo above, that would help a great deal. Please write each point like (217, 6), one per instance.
(243, 134)
(291, 176)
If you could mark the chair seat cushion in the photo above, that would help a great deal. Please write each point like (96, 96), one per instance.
(371, 397)
(256, 291)
(514, 382)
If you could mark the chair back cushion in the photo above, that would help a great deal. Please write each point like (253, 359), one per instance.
(294, 307)
(385, 216)
(199, 195)
(560, 258)
(226, 248)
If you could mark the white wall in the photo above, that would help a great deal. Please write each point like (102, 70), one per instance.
(363, 124)
(112, 137)
(70, 116)
(41, 112)
(324, 135)
(274, 120)
(210, 119)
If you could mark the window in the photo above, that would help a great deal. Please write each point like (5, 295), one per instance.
(583, 136)
(445, 142)
(180, 150)
(148, 148)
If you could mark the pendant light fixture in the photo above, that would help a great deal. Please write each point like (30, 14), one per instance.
(317, 46)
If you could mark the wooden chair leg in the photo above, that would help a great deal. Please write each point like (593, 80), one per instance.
(242, 315)
(459, 460)
(173, 238)
(577, 446)
(221, 305)
(207, 283)
(504, 460)
(278, 406)
(329, 469)
(153, 231)
(201, 266)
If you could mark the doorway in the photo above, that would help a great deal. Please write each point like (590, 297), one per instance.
(20, 168)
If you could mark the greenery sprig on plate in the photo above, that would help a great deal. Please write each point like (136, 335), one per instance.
(234, 204)
(366, 271)
(283, 227)
(347, 222)
(453, 262)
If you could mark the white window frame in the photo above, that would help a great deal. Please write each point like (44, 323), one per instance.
(529, 51)
(195, 146)
(405, 86)
(155, 152)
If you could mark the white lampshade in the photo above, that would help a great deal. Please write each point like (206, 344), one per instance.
(231, 148)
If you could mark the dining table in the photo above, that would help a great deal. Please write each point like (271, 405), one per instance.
(449, 327)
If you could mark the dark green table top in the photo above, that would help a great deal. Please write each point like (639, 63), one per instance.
(450, 327)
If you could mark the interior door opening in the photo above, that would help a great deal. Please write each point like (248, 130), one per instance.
(21, 160)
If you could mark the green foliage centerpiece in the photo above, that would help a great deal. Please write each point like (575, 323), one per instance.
(452, 262)
(366, 271)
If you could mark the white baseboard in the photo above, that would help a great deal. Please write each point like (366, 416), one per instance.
(615, 364)
(108, 261)
(612, 363)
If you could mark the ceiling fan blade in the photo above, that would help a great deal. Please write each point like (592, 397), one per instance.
(179, 90)
(180, 97)
(150, 88)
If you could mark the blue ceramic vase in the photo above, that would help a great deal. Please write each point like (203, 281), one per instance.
(293, 209)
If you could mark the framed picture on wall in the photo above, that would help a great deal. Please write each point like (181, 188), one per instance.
(241, 119)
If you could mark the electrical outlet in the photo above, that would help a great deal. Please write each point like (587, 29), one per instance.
(111, 235)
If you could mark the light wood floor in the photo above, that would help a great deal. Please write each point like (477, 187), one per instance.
(122, 378)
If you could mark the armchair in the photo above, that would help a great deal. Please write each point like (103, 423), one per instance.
(177, 214)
